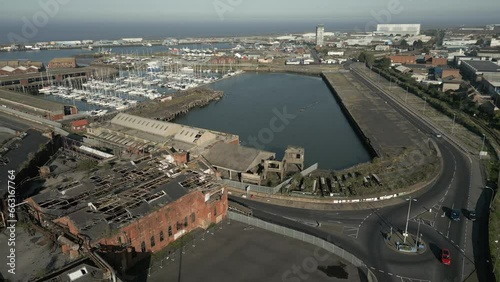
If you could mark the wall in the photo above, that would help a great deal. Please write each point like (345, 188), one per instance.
(160, 220)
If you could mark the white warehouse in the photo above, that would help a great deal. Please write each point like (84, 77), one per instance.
(402, 29)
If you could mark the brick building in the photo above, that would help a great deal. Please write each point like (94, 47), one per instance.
(35, 106)
(132, 210)
(223, 60)
(59, 63)
(401, 59)
(8, 70)
(451, 72)
(79, 125)
(439, 61)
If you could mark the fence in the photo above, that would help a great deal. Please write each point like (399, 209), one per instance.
(190, 241)
(246, 187)
(299, 236)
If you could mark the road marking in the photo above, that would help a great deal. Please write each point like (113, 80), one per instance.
(351, 231)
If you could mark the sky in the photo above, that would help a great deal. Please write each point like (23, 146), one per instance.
(49, 16)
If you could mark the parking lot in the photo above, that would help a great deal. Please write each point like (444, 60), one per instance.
(241, 253)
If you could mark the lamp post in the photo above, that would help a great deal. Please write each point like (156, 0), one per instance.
(496, 257)
(406, 95)
(425, 101)
(482, 146)
(453, 124)
(407, 219)
(492, 194)
(418, 230)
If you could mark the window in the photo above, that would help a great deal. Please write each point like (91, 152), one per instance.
(215, 211)
(152, 241)
(161, 236)
(143, 247)
(170, 231)
(185, 221)
(193, 217)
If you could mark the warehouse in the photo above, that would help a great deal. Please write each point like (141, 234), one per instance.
(35, 106)
(137, 134)
(129, 211)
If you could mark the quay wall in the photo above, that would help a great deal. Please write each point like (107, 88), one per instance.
(352, 121)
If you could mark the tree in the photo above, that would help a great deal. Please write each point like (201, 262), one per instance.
(418, 44)
(403, 43)
(480, 42)
(384, 63)
(367, 58)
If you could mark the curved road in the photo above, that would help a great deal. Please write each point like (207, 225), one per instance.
(362, 232)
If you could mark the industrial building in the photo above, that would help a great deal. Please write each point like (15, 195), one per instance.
(129, 211)
(58, 63)
(480, 70)
(16, 67)
(320, 31)
(395, 29)
(138, 134)
(35, 106)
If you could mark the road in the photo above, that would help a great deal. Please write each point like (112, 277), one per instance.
(362, 232)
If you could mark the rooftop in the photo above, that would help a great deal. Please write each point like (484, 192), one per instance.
(30, 101)
(63, 60)
(112, 198)
(482, 66)
(236, 157)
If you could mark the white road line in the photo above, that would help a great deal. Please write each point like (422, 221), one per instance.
(389, 273)
(372, 267)
(381, 271)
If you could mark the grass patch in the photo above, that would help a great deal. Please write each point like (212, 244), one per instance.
(494, 234)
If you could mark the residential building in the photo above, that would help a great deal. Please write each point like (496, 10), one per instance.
(320, 30)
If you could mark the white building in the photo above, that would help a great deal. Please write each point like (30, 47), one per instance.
(132, 40)
(460, 41)
(320, 30)
(495, 42)
(382, 48)
(402, 29)
(335, 53)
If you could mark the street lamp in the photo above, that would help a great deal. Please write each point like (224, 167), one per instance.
(407, 218)
(496, 258)
(453, 124)
(418, 230)
(492, 195)
(482, 146)
(425, 101)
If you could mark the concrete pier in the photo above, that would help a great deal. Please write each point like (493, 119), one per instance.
(385, 131)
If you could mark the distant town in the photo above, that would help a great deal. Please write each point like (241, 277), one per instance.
(110, 187)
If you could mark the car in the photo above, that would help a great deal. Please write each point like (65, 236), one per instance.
(455, 215)
(472, 215)
(445, 257)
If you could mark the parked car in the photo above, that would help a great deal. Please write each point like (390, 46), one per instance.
(445, 256)
(455, 215)
(472, 215)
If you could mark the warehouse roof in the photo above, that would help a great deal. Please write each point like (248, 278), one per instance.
(152, 126)
(482, 66)
(63, 60)
(30, 101)
(236, 157)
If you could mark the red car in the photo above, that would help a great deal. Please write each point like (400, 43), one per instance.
(445, 257)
